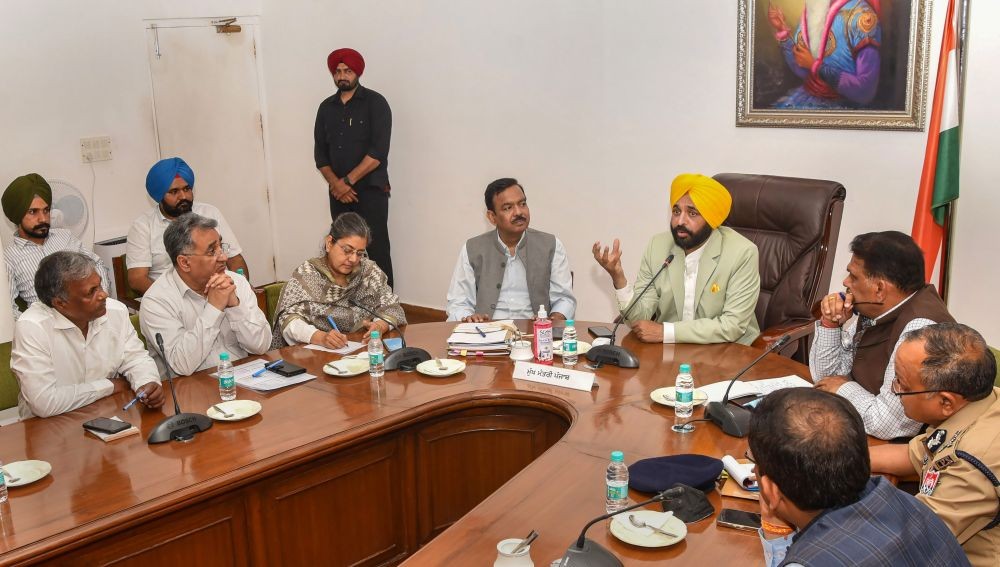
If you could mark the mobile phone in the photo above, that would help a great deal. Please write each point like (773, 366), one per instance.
(394, 343)
(106, 425)
(752, 404)
(287, 370)
(738, 519)
(600, 332)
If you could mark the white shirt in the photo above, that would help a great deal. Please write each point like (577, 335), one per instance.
(194, 332)
(60, 370)
(23, 256)
(832, 354)
(514, 301)
(144, 248)
(691, 261)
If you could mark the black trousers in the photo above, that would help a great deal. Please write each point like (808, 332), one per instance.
(373, 206)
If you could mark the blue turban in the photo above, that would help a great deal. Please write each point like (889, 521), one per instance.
(162, 175)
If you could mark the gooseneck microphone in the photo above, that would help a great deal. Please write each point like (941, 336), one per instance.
(403, 358)
(735, 420)
(180, 426)
(586, 552)
(612, 353)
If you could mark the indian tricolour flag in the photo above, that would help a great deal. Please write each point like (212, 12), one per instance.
(939, 180)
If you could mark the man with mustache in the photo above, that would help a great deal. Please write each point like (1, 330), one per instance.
(709, 291)
(854, 357)
(71, 346)
(508, 272)
(27, 203)
(352, 132)
(170, 182)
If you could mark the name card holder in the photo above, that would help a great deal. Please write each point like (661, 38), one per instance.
(554, 376)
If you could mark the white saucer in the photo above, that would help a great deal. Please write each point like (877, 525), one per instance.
(622, 529)
(666, 396)
(451, 366)
(239, 409)
(27, 471)
(346, 367)
(581, 347)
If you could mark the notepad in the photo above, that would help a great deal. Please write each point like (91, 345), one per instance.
(763, 387)
(112, 436)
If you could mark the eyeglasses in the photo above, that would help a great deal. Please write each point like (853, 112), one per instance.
(895, 389)
(349, 252)
(222, 250)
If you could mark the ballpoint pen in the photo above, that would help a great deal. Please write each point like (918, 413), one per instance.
(267, 367)
(480, 331)
(333, 323)
(137, 397)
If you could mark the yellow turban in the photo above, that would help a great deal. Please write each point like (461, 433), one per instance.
(711, 199)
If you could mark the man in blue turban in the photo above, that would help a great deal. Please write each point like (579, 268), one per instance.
(27, 203)
(170, 182)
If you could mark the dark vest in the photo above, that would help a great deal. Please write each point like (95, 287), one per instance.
(886, 527)
(489, 262)
(875, 349)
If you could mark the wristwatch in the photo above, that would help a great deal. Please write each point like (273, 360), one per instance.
(348, 181)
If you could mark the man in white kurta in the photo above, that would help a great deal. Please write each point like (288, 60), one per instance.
(71, 346)
(198, 307)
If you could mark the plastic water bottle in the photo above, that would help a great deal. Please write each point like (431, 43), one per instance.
(569, 344)
(684, 393)
(376, 362)
(227, 381)
(3, 486)
(617, 483)
(543, 337)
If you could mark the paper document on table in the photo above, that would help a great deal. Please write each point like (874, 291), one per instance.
(485, 327)
(268, 380)
(716, 391)
(348, 349)
(475, 339)
(740, 472)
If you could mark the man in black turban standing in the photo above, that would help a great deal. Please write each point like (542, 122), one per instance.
(352, 134)
(27, 202)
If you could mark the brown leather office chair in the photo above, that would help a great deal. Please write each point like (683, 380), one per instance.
(795, 224)
(126, 294)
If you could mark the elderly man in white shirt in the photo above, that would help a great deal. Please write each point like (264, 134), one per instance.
(70, 346)
(170, 183)
(198, 307)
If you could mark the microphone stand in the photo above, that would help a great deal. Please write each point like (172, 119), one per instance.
(404, 358)
(585, 552)
(612, 353)
(180, 426)
(735, 420)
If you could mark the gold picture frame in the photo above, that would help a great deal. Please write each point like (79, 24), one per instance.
(771, 92)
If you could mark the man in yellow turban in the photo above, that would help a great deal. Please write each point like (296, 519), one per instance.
(27, 202)
(709, 289)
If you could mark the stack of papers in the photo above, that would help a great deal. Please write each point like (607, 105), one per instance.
(267, 381)
(753, 388)
(480, 338)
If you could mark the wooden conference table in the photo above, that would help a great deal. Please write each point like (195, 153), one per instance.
(430, 471)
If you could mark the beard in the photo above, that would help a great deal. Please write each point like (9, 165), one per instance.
(693, 239)
(182, 207)
(346, 85)
(40, 230)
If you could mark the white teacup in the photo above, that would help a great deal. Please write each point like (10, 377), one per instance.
(521, 350)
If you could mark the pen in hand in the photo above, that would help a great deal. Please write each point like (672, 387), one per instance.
(139, 396)
(267, 367)
(333, 323)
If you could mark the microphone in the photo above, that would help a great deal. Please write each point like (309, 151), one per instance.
(180, 426)
(613, 354)
(586, 552)
(735, 420)
(404, 358)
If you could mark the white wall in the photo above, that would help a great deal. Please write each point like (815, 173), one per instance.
(595, 106)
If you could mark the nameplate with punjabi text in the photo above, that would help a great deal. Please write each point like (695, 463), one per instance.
(554, 376)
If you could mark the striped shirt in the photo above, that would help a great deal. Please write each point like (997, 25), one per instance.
(23, 256)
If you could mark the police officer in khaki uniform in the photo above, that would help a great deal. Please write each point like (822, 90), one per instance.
(944, 377)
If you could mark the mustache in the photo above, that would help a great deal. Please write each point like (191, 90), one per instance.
(515, 219)
(44, 225)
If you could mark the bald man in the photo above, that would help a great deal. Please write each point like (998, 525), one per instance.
(709, 291)
(352, 132)
(27, 202)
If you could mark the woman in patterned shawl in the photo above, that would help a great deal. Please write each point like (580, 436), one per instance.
(323, 287)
